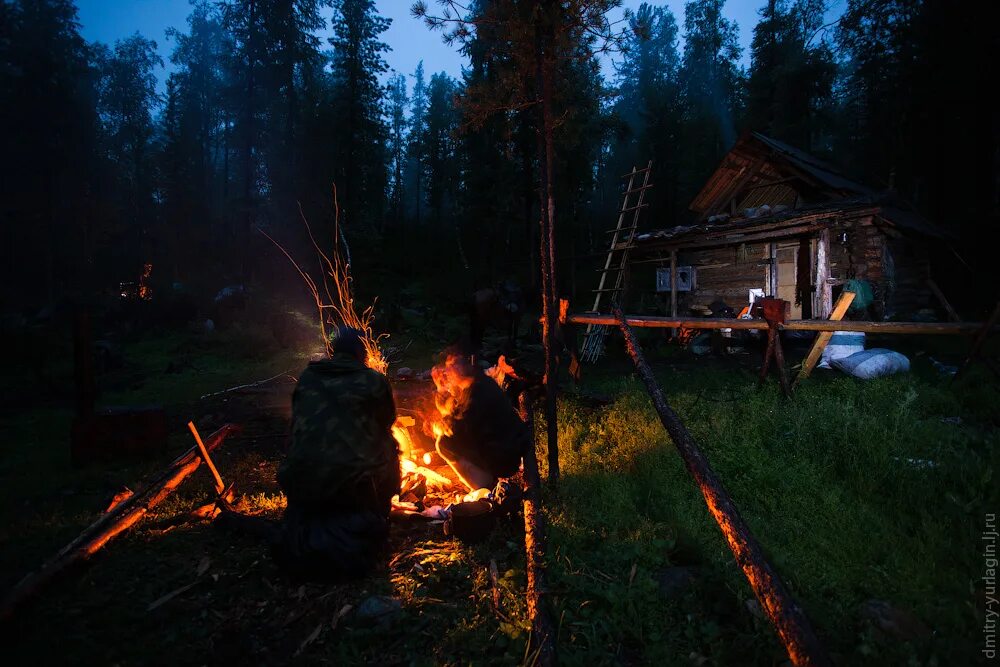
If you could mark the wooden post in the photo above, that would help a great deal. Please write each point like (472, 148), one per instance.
(823, 337)
(673, 288)
(775, 312)
(220, 486)
(543, 634)
(784, 613)
(823, 286)
(978, 342)
(936, 291)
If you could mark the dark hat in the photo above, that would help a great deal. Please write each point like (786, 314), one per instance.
(349, 341)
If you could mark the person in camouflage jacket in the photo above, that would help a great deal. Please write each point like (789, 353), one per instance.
(340, 473)
(342, 453)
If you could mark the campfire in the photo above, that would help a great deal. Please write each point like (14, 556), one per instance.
(429, 475)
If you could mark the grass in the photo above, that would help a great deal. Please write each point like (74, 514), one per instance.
(826, 483)
(833, 483)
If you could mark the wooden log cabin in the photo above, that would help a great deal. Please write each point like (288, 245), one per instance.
(775, 219)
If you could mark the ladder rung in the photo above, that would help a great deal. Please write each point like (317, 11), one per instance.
(620, 229)
(637, 171)
(608, 289)
(611, 269)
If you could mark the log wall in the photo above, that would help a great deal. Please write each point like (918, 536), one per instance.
(726, 274)
(897, 267)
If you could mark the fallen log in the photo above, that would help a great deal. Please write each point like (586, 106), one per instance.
(784, 613)
(542, 630)
(111, 524)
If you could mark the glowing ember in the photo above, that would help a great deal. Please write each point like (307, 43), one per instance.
(502, 371)
(427, 458)
(145, 291)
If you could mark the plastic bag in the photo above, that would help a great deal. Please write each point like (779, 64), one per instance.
(842, 344)
(873, 363)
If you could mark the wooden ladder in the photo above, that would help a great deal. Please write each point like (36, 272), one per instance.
(613, 273)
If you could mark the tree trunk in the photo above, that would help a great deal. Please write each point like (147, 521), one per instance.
(546, 159)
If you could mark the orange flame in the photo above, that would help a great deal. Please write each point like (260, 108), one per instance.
(502, 371)
(145, 292)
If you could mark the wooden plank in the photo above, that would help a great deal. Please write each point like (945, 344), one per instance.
(652, 322)
(823, 337)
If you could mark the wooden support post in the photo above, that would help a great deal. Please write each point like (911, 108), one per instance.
(823, 337)
(543, 636)
(673, 283)
(823, 286)
(775, 312)
(785, 615)
(122, 517)
(779, 359)
(936, 291)
(220, 486)
(978, 342)
(768, 353)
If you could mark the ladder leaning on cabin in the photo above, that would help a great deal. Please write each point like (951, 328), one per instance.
(622, 237)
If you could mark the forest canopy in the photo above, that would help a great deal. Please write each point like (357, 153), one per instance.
(104, 172)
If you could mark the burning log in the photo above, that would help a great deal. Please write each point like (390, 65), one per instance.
(542, 630)
(789, 620)
(121, 517)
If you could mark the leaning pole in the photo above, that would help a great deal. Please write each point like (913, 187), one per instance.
(793, 628)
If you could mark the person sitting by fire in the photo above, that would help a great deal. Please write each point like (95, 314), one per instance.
(480, 434)
(341, 470)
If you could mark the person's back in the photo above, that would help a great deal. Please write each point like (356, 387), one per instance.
(342, 468)
(342, 448)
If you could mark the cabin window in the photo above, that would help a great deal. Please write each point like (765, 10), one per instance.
(685, 279)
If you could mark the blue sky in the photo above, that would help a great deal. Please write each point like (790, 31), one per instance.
(411, 41)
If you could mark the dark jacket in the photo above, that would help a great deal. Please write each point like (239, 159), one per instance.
(343, 455)
(488, 431)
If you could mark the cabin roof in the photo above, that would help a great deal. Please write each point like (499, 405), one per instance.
(763, 223)
(759, 170)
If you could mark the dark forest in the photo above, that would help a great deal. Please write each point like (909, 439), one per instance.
(365, 300)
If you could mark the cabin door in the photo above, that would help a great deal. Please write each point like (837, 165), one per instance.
(786, 261)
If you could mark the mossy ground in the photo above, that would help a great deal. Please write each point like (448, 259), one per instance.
(856, 490)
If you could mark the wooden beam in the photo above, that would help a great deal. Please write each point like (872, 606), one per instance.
(787, 617)
(654, 322)
(924, 328)
(823, 337)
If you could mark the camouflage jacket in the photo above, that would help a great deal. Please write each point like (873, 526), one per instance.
(342, 445)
